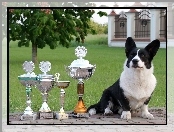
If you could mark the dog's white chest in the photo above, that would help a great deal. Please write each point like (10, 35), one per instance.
(134, 103)
(137, 88)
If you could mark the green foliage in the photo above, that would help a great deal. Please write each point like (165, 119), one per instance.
(106, 29)
(97, 39)
(37, 4)
(49, 26)
(102, 13)
(96, 28)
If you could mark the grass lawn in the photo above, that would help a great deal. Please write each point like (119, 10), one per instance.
(109, 62)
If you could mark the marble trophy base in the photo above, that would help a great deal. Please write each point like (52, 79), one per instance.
(25, 117)
(45, 112)
(28, 114)
(61, 116)
(45, 115)
(81, 115)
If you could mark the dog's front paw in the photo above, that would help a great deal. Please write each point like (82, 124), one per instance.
(145, 112)
(126, 115)
(92, 111)
(108, 112)
(147, 115)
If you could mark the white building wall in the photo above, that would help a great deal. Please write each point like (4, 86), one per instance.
(111, 28)
(130, 24)
(154, 24)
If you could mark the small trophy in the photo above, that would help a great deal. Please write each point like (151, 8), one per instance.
(45, 84)
(62, 85)
(28, 80)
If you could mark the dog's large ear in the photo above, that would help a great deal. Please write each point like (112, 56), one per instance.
(153, 47)
(129, 45)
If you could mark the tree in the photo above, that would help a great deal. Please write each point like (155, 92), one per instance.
(48, 26)
(96, 28)
(105, 28)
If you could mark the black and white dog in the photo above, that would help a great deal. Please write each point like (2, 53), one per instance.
(135, 86)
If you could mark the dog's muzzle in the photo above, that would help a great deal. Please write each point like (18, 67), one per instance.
(135, 63)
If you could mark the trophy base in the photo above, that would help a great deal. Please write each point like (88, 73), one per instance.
(81, 115)
(80, 107)
(61, 116)
(28, 117)
(46, 115)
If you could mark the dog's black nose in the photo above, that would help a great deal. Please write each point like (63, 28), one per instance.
(135, 61)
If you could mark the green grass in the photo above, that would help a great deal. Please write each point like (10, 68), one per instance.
(93, 40)
(109, 62)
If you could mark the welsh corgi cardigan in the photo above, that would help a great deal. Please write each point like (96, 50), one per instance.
(135, 86)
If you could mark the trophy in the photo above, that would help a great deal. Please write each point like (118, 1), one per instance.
(45, 84)
(28, 80)
(80, 69)
(62, 85)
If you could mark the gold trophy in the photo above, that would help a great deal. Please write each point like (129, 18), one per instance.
(80, 69)
(62, 85)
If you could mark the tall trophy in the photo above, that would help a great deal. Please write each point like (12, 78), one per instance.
(80, 69)
(45, 84)
(28, 80)
(61, 85)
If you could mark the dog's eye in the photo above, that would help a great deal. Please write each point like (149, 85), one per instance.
(142, 55)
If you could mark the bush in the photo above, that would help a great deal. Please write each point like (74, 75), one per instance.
(99, 39)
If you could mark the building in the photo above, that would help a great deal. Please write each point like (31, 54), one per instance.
(143, 25)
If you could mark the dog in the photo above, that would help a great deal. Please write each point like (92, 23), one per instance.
(134, 88)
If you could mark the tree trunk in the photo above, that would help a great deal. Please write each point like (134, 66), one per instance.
(34, 53)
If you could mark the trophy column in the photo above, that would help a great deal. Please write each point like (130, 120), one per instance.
(80, 107)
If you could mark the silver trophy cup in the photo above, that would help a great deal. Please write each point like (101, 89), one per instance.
(28, 80)
(45, 84)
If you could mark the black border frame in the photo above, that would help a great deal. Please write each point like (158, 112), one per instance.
(78, 8)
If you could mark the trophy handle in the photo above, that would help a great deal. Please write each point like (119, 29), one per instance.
(56, 78)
